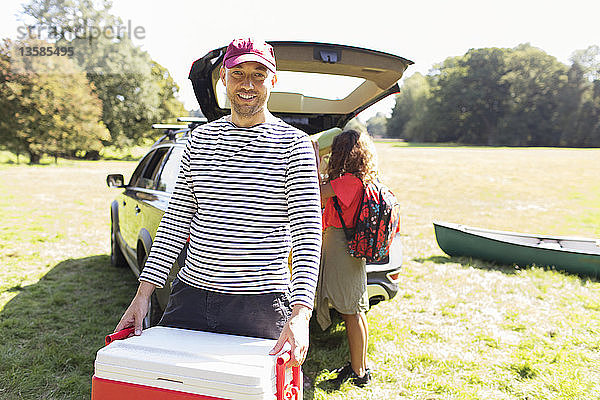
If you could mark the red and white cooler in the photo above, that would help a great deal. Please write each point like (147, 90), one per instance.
(178, 364)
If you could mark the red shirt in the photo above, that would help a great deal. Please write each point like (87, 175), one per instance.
(349, 191)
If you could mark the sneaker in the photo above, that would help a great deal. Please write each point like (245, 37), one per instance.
(361, 381)
(346, 373)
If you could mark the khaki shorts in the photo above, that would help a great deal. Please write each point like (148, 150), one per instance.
(342, 279)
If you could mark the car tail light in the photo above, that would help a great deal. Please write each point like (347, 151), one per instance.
(393, 276)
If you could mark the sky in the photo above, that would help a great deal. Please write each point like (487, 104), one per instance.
(177, 32)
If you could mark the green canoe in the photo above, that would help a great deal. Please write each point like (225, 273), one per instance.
(575, 255)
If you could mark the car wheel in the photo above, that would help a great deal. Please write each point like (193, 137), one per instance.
(117, 258)
(154, 313)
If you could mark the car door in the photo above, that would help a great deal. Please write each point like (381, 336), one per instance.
(154, 197)
(127, 208)
(136, 195)
(164, 188)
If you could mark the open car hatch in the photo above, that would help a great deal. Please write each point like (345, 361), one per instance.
(320, 86)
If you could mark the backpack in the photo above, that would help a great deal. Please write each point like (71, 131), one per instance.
(377, 222)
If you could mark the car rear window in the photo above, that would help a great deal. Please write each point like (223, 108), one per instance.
(308, 84)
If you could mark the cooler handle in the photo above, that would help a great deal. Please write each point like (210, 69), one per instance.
(292, 391)
(123, 334)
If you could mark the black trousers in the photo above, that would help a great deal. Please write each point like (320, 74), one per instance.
(259, 315)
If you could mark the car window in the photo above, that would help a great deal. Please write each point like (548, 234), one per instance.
(169, 173)
(148, 177)
(135, 177)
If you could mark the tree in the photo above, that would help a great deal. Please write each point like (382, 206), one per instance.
(38, 96)
(468, 98)
(376, 125)
(535, 81)
(496, 96)
(570, 108)
(356, 124)
(582, 94)
(196, 113)
(167, 89)
(409, 115)
(63, 18)
(492, 96)
(9, 105)
(588, 134)
(589, 61)
(135, 91)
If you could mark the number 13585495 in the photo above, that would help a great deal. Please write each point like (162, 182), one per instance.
(48, 51)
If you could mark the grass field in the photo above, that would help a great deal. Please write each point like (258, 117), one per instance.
(458, 329)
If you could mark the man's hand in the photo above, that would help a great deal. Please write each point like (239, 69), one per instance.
(135, 313)
(295, 332)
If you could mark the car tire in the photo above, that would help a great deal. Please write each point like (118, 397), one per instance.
(154, 313)
(117, 258)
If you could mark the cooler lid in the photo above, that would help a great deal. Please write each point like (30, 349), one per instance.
(191, 361)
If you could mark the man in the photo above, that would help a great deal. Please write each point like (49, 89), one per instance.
(247, 191)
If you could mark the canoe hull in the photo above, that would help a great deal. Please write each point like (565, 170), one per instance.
(455, 240)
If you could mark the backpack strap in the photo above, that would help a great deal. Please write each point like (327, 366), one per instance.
(337, 207)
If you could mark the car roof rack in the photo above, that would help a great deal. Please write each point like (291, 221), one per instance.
(193, 121)
(169, 127)
(170, 130)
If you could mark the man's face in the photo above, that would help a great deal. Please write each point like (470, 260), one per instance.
(248, 87)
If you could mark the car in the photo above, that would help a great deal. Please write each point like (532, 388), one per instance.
(345, 81)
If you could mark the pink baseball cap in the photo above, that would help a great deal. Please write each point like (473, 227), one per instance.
(243, 50)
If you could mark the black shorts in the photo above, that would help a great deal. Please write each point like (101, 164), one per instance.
(256, 315)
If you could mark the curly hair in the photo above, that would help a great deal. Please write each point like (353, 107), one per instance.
(353, 152)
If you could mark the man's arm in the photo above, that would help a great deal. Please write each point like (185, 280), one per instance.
(170, 238)
(295, 332)
(304, 211)
(135, 313)
(174, 228)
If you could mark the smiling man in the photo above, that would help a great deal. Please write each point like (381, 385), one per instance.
(246, 193)
(248, 85)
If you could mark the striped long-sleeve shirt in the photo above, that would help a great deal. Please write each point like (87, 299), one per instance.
(244, 196)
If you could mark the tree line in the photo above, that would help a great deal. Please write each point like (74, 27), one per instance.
(500, 96)
(104, 91)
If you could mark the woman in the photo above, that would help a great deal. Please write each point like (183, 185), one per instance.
(343, 278)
